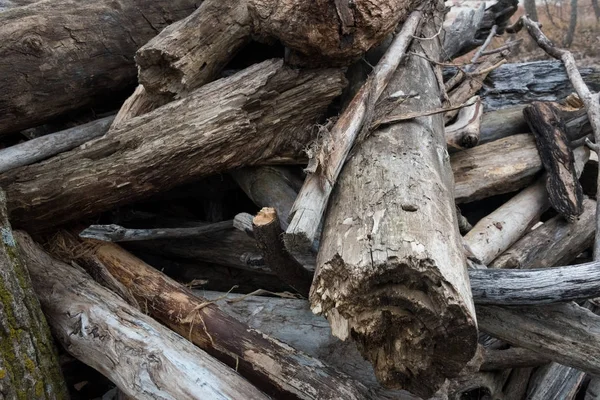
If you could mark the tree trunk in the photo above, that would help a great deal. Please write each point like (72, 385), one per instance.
(144, 359)
(391, 248)
(190, 138)
(29, 366)
(530, 9)
(572, 25)
(49, 46)
(596, 9)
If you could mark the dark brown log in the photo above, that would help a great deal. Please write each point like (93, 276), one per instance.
(562, 183)
(279, 369)
(143, 358)
(189, 138)
(29, 366)
(556, 242)
(269, 237)
(391, 250)
(514, 357)
(53, 61)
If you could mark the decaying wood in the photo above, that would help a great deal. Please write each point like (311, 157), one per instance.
(391, 251)
(556, 242)
(245, 119)
(562, 184)
(144, 359)
(269, 237)
(482, 384)
(502, 166)
(29, 366)
(43, 147)
(137, 104)
(514, 357)
(555, 382)
(54, 40)
(193, 51)
(280, 369)
(116, 233)
(464, 132)
(312, 199)
(495, 233)
(517, 383)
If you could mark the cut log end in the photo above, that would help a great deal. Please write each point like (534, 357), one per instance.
(266, 216)
(407, 321)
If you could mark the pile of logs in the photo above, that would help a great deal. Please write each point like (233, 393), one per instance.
(294, 200)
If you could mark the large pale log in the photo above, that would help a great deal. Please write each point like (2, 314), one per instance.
(144, 359)
(57, 56)
(556, 242)
(278, 368)
(29, 367)
(246, 119)
(391, 272)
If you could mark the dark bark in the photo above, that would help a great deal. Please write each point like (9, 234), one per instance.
(572, 25)
(530, 9)
(514, 357)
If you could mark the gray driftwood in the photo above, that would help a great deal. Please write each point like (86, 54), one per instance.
(554, 382)
(514, 357)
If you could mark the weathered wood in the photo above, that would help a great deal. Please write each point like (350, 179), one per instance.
(516, 384)
(554, 382)
(495, 233)
(29, 366)
(562, 184)
(116, 233)
(189, 138)
(281, 370)
(556, 242)
(193, 51)
(593, 389)
(53, 62)
(514, 357)
(391, 262)
(268, 234)
(502, 166)
(464, 132)
(310, 205)
(243, 222)
(484, 384)
(144, 359)
(137, 104)
(43, 147)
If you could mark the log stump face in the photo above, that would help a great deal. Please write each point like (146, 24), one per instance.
(332, 32)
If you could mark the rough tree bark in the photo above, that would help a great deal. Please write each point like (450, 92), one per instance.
(52, 61)
(572, 25)
(222, 125)
(530, 9)
(391, 248)
(29, 366)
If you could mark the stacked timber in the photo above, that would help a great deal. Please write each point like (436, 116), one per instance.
(293, 200)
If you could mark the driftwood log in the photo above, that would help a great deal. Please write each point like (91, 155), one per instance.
(55, 40)
(144, 359)
(391, 249)
(554, 382)
(29, 366)
(514, 357)
(189, 138)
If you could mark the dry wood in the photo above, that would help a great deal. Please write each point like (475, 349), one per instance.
(193, 51)
(514, 357)
(281, 370)
(43, 147)
(484, 384)
(495, 233)
(593, 389)
(554, 382)
(391, 262)
(189, 138)
(268, 234)
(502, 166)
(556, 242)
(562, 184)
(516, 384)
(464, 132)
(243, 222)
(55, 39)
(137, 104)
(312, 199)
(116, 233)
(144, 359)
(29, 367)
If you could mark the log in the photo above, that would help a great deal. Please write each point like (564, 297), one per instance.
(495, 168)
(190, 138)
(464, 132)
(137, 104)
(555, 382)
(391, 249)
(325, 32)
(514, 357)
(141, 357)
(495, 233)
(43, 147)
(556, 242)
(53, 62)
(516, 385)
(193, 51)
(275, 367)
(29, 367)
(562, 184)
(593, 389)
(269, 237)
